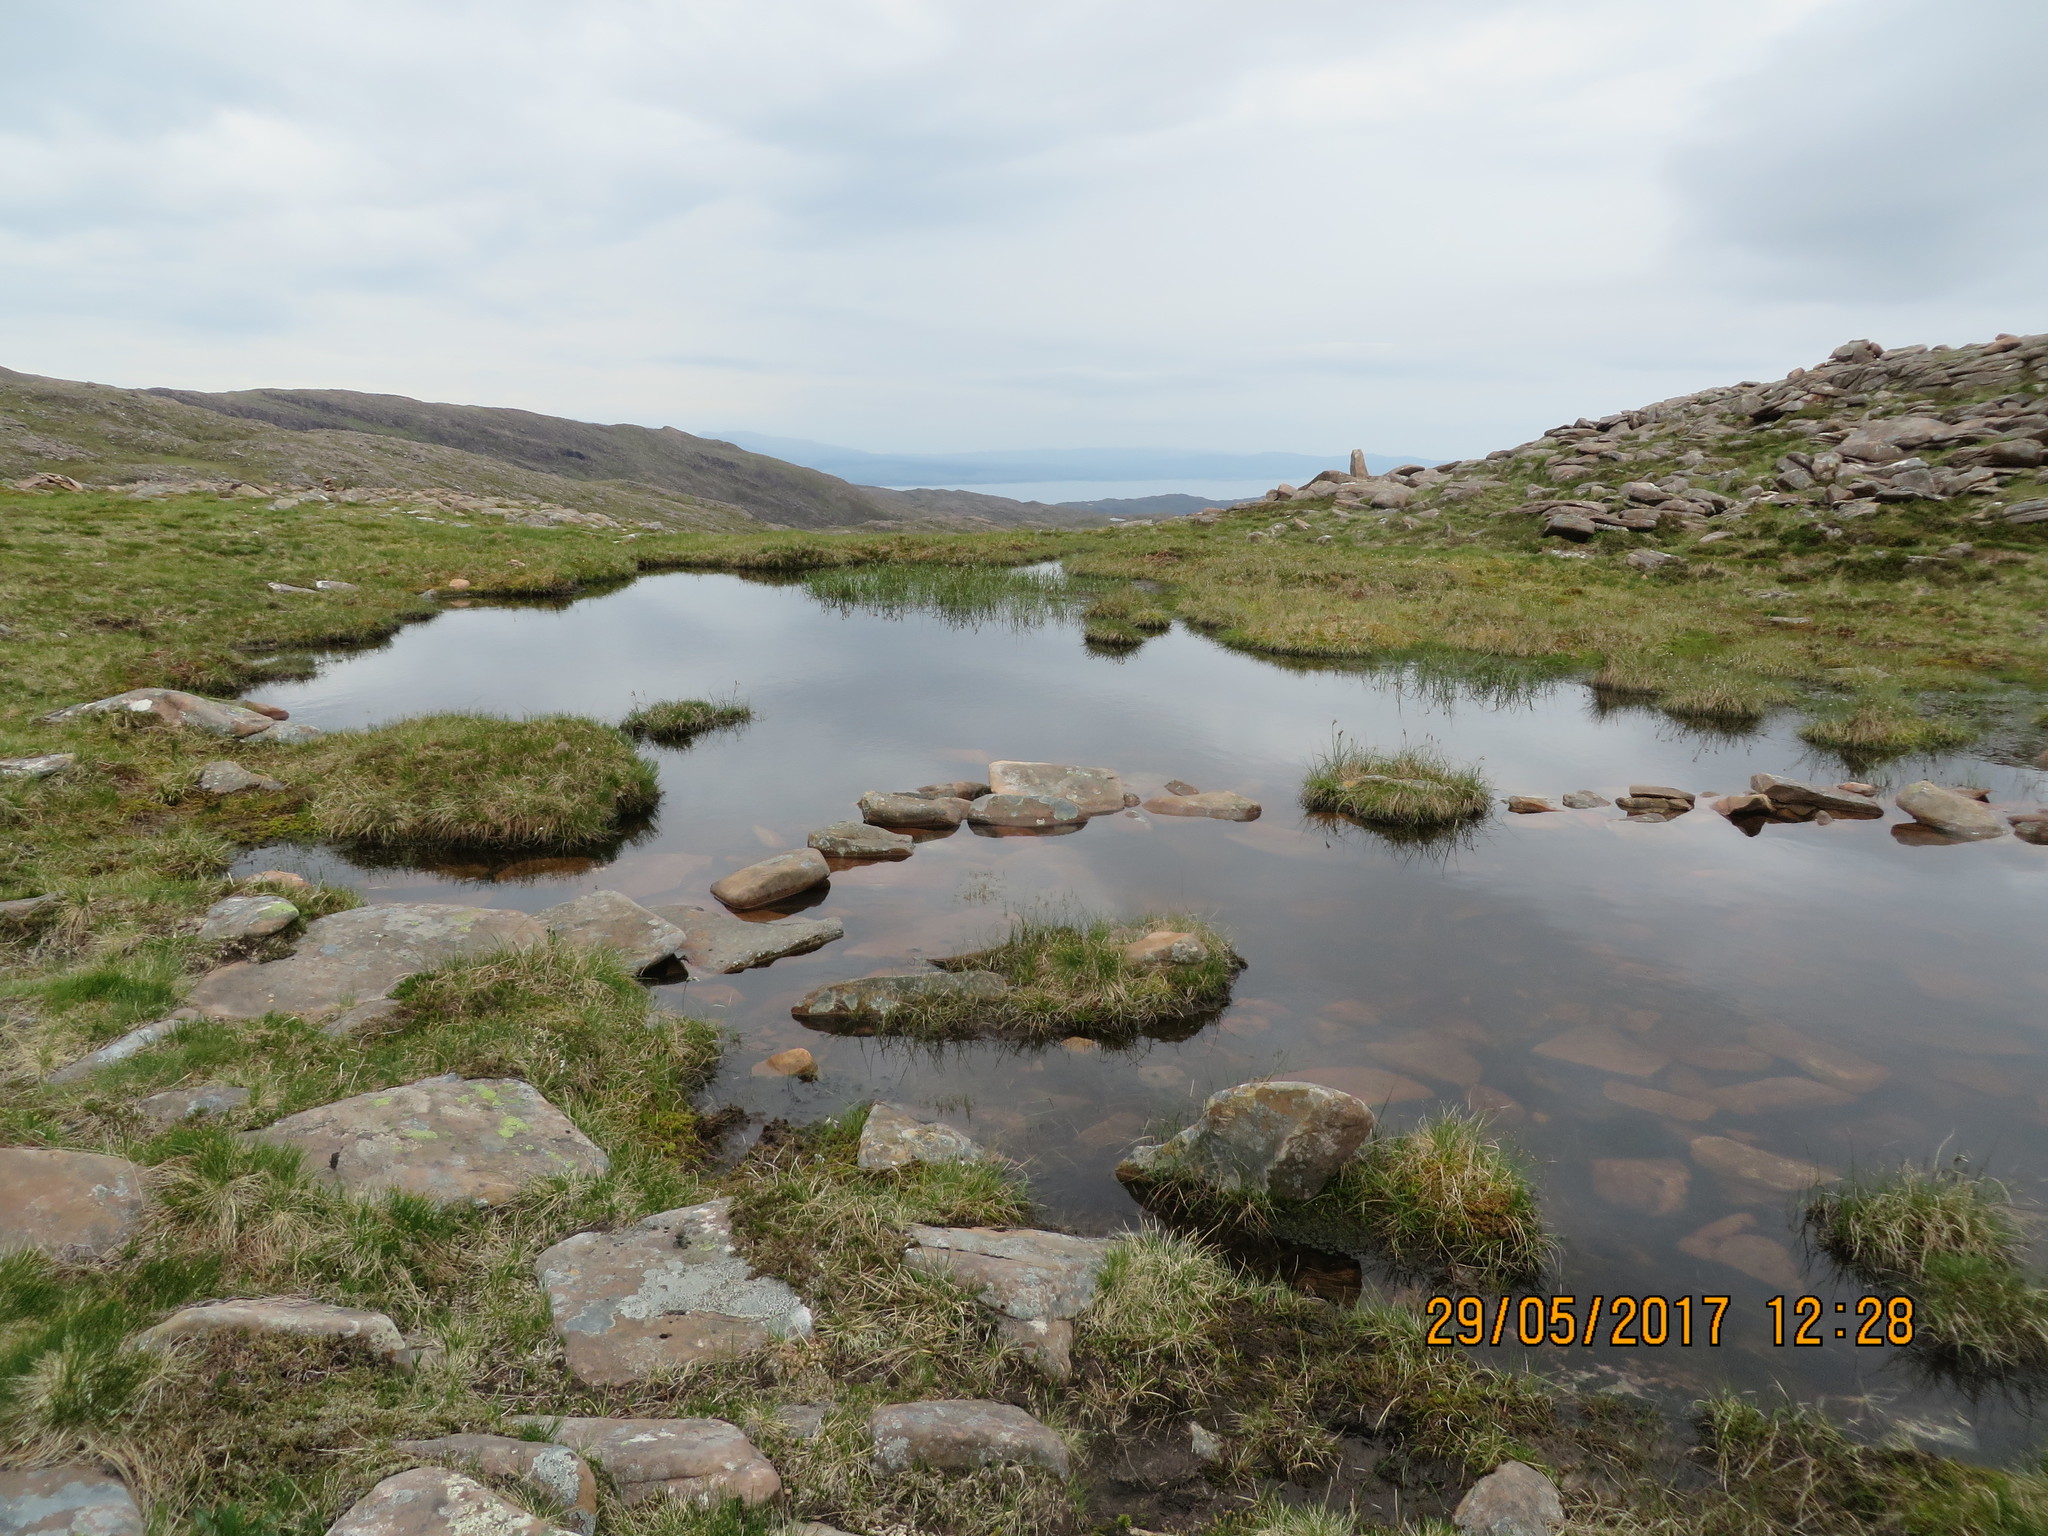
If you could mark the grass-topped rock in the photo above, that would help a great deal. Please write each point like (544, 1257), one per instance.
(678, 722)
(1412, 788)
(1048, 979)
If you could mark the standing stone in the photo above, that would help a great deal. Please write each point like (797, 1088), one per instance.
(247, 917)
(67, 1501)
(287, 1316)
(352, 957)
(431, 1501)
(612, 920)
(1947, 811)
(450, 1139)
(553, 1470)
(859, 840)
(70, 1205)
(771, 880)
(962, 1436)
(934, 812)
(717, 943)
(893, 1137)
(1286, 1140)
(1095, 791)
(695, 1461)
(1514, 1499)
(1217, 804)
(669, 1291)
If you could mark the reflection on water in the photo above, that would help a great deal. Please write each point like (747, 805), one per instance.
(1664, 1016)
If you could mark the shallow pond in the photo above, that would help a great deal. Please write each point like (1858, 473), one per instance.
(1552, 967)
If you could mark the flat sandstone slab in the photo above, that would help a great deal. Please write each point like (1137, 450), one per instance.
(1095, 791)
(70, 1205)
(613, 920)
(67, 1501)
(717, 943)
(880, 996)
(696, 1461)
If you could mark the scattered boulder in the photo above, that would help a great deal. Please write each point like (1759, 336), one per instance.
(1753, 1165)
(1282, 1139)
(1575, 526)
(1651, 559)
(1030, 811)
(669, 1291)
(175, 708)
(1217, 804)
(67, 1501)
(1093, 791)
(133, 1043)
(247, 917)
(717, 943)
(893, 1137)
(1947, 811)
(1531, 805)
(934, 812)
(449, 1139)
(1036, 1282)
(1794, 792)
(1514, 1499)
(1163, 947)
(772, 880)
(431, 1501)
(70, 1205)
(695, 1461)
(794, 1062)
(287, 732)
(47, 480)
(40, 767)
(962, 1435)
(351, 957)
(552, 1470)
(177, 1105)
(224, 777)
(612, 920)
(879, 996)
(286, 1316)
(860, 840)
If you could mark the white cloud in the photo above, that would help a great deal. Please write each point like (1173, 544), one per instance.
(927, 224)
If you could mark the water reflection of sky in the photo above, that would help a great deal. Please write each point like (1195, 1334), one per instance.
(1412, 977)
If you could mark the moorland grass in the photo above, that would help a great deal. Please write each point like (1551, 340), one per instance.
(1124, 618)
(1411, 787)
(678, 722)
(1876, 730)
(1954, 1243)
(964, 595)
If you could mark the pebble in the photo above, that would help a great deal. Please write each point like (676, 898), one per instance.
(794, 1062)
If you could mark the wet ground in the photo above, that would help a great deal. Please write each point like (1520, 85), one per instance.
(1606, 990)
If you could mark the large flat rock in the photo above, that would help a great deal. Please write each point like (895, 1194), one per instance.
(70, 1205)
(553, 1470)
(893, 1137)
(1095, 791)
(451, 1139)
(717, 943)
(669, 1291)
(1019, 1271)
(352, 957)
(615, 921)
(432, 1501)
(176, 708)
(697, 1461)
(961, 1435)
(67, 1501)
(283, 1316)
(1946, 811)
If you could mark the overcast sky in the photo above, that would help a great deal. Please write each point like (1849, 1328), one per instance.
(950, 224)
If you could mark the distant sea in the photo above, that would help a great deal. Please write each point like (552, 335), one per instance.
(1221, 492)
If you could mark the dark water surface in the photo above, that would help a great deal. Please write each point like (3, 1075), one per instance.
(1551, 967)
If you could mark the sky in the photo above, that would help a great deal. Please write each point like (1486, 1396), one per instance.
(942, 225)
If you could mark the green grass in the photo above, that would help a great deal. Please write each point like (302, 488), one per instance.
(1876, 730)
(677, 722)
(1124, 618)
(1955, 1244)
(1408, 787)
(964, 595)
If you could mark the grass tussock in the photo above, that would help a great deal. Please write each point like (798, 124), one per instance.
(1412, 787)
(1878, 730)
(678, 722)
(963, 595)
(1955, 1244)
(555, 781)
(1124, 618)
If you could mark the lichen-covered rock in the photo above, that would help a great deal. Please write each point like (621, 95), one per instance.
(67, 1501)
(1036, 1282)
(717, 943)
(771, 880)
(1095, 791)
(226, 777)
(175, 708)
(893, 1137)
(432, 1501)
(174, 1106)
(70, 1205)
(1514, 1499)
(696, 1461)
(962, 1435)
(877, 997)
(352, 957)
(613, 920)
(247, 917)
(553, 1470)
(937, 813)
(450, 1139)
(286, 1316)
(666, 1292)
(1285, 1140)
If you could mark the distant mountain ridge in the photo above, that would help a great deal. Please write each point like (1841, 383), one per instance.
(1014, 466)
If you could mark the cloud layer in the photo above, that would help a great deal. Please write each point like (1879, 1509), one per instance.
(927, 225)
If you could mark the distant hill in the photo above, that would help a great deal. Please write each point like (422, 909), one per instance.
(1029, 465)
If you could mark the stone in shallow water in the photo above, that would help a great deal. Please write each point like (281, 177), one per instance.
(961, 1436)
(431, 1501)
(697, 1461)
(794, 1062)
(1737, 1160)
(880, 996)
(1282, 1139)
(455, 1140)
(247, 917)
(67, 1501)
(1782, 791)
(1218, 805)
(1771, 1093)
(1656, 1101)
(954, 789)
(1830, 1063)
(858, 840)
(893, 1137)
(1946, 811)
(554, 1470)
(1590, 1045)
(1530, 805)
(932, 812)
(666, 1292)
(1730, 1241)
(70, 1205)
(1653, 1186)
(1095, 791)
(717, 943)
(772, 880)
(613, 920)
(352, 957)
(1514, 1499)
(1025, 811)
(1585, 800)
(288, 1316)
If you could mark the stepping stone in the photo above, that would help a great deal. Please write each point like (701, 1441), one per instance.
(1814, 797)
(1036, 1281)
(1514, 1499)
(1944, 810)
(610, 919)
(938, 813)
(431, 1501)
(1286, 1140)
(962, 1435)
(554, 1470)
(717, 943)
(67, 1501)
(70, 1205)
(666, 1292)
(954, 789)
(133, 1043)
(247, 917)
(893, 1137)
(288, 1316)
(858, 840)
(695, 1461)
(1585, 800)
(161, 1111)
(1027, 811)
(352, 957)
(1094, 791)
(1217, 805)
(876, 997)
(450, 1139)
(224, 777)
(772, 880)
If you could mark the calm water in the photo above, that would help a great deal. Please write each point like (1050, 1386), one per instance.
(1413, 978)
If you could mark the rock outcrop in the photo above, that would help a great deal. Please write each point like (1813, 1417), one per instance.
(877, 997)
(1036, 1282)
(431, 1501)
(70, 1205)
(555, 1472)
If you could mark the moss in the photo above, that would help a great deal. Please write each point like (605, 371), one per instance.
(677, 722)
(1412, 787)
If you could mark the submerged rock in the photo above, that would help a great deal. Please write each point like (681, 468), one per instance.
(1281, 1139)
(1514, 1499)
(613, 920)
(962, 1435)
(859, 840)
(1947, 811)
(432, 1501)
(553, 1470)
(717, 943)
(449, 1139)
(893, 1137)
(67, 1501)
(287, 1316)
(1218, 805)
(880, 996)
(1737, 1160)
(70, 1205)
(695, 1461)
(772, 880)
(794, 1062)
(669, 1291)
